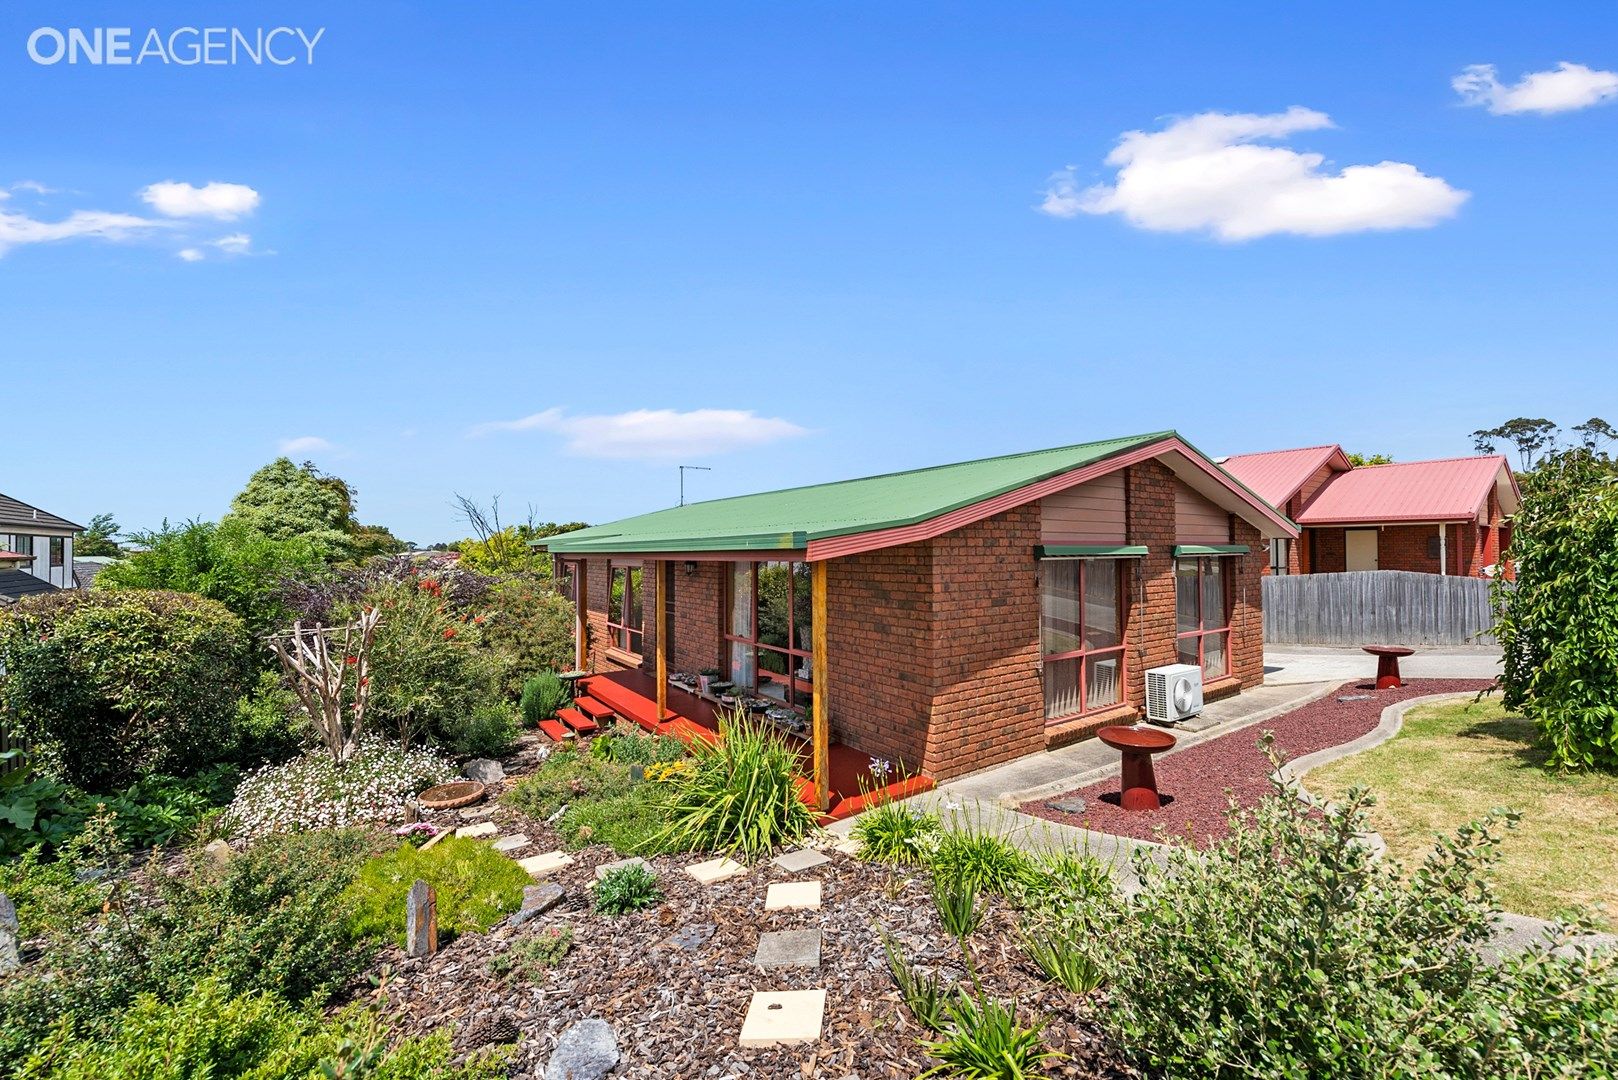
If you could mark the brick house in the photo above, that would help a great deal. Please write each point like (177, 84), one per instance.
(1449, 516)
(947, 619)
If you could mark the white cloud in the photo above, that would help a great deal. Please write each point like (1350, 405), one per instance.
(304, 444)
(17, 229)
(1206, 173)
(190, 254)
(32, 185)
(653, 433)
(1568, 87)
(234, 244)
(225, 202)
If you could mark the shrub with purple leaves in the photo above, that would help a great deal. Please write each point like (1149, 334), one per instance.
(314, 792)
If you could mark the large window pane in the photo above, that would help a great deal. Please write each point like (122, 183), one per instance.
(1185, 595)
(774, 603)
(741, 664)
(1061, 688)
(1186, 650)
(1101, 629)
(635, 614)
(741, 599)
(802, 608)
(1103, 684)
(1214, 659)
(1213, 594)
(615, 601)
(1059, 607)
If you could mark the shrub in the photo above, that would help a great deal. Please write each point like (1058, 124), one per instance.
(35, 811)
(1557, 623)
(983, 1041)
(631, 824)
(970, 853)
(156, 809)
(528, 627)
(893, 833)
(528, 956)
(110, 686)
(743, 795)
(626, 889)
(50, 896)
(542, 695)
(1288, 949)
(567, 777)
(631, 746)
(488, 732)
(475, 887)
(269, 725)
(314, 792)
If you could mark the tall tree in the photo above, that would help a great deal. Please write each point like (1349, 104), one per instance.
(283, 501)
(98, 538)
(1594, 434)
(1358, 460)
(1529, 436)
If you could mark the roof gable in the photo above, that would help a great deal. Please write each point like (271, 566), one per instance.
(16, 514)
(1277, 475)
(1451, 489)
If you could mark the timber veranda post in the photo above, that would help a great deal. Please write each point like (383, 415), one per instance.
(662, 624)
(821, 725)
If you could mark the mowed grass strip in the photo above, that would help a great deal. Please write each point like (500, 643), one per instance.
(1451, 763)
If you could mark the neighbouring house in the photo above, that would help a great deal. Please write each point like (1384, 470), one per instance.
(944, 619)
(1450, 516)
(35, 543)
(86, 567)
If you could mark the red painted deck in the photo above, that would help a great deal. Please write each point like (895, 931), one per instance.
(633, 695)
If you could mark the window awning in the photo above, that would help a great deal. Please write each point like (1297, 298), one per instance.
(1187, 550)
(1090, 551)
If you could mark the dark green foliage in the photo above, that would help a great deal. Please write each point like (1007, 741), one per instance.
(475, 886)
(983, 1041)
(542, 695)
(626, 889)
(158, 809)
(488, 732)
(110, 686)
(49, 894)
(1558, 622)
(98, 538)
(743, 795)
(269, 726)
(956, 899)
(230, 562)
(35, 810)
(528, 627)
(893, 833)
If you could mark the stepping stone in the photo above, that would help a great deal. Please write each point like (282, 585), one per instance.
(536, 901)
(793, 896)
(548, 863)
(1068, 806)
(587, 1050)
(715, 870)
(512, 842)
(692, 937)
(482, 828)
(606, 868)
(783, 1018)
(788, 948)
(796, 862)
(478, 812)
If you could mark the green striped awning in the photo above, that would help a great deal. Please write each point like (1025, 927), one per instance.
(1090, 551)
(1187, 550)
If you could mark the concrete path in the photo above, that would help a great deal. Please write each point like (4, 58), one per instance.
(1297, 664)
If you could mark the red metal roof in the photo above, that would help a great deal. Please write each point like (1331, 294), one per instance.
(1276, 475)
(1453, 489)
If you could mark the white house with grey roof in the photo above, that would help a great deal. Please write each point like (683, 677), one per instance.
(34, 544)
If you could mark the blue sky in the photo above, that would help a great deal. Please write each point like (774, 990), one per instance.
(827, 219)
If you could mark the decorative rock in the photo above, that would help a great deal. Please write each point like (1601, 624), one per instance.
(412, 812)
(482, 828)
(220, 852)
(511, 843)
(536, 901)
(693, 936)
(478, 812)
(483, 770)
(796, 862)
(548, 863)
(622, 864)
(783, 1018)
(1069, 806)
(10, 955)
(587, 1050)
(793, 896)
(421, 920)
(715, 870)
(788, 948)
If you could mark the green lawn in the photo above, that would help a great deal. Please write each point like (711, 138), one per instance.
(1451, 763)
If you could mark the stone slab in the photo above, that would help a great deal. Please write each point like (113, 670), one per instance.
(587, 1050)
(622, 864)
(783, 1018)
(536, 901)
(512, 842)
(796, 862)
(788, 948)
(715, 870)
(692, 937)
(1072, 805)
(482, 828)
(421, 920)
(793, 896)
(540, 865)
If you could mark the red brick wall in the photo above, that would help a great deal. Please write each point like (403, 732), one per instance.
(1330, 551)
(1151, 609)
(880, 651)
(598, 587)
(698, 614)
(1247, 603)
(988, 703)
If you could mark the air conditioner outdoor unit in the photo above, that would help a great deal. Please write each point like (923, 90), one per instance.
(1173, 693)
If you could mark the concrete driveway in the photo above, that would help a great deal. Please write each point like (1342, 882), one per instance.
(1287, 664)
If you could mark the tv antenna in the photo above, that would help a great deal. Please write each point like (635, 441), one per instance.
(683, 468)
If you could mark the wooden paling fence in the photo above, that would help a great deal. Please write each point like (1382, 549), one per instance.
(1367, 607)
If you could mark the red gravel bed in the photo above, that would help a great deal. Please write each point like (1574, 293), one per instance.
(1204, 779)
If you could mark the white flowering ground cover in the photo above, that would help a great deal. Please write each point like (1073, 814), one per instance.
(314, 792)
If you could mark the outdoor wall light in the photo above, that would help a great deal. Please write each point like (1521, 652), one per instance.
(690, 568)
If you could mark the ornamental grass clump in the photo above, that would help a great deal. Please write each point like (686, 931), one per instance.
(742, 798)
(314, 792)
(892, 833)
(982, 1040)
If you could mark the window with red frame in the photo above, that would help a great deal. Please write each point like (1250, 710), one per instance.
(768, 631)
(1081, 630)
(624, 617)
(1202, 608)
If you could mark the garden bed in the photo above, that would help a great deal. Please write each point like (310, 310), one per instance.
(1199, 783)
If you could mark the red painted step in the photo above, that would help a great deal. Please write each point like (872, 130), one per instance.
(576, 720)
(553, 731)
(593, 709)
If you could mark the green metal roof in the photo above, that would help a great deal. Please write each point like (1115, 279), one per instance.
(787, 520)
